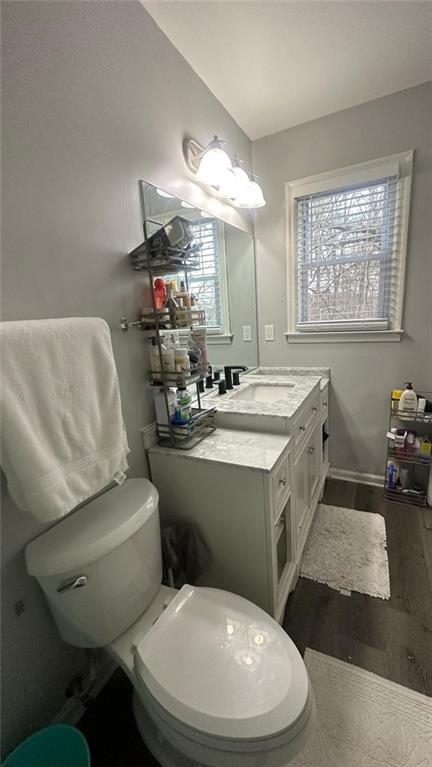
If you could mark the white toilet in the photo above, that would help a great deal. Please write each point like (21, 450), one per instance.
(217, 681)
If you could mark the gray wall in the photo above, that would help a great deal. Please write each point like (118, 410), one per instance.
(362, 373)
(94, 98)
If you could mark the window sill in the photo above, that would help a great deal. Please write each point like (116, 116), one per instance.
(219, 338)
(344, 336)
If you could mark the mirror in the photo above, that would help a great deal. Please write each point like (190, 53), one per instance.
(224, 284)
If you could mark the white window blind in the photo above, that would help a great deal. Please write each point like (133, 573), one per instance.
(205, 283)
(348, 247)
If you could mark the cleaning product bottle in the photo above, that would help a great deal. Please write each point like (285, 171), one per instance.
(162, 415)
(183, 410)
(408, 400)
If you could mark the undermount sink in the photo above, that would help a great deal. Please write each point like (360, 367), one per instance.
(263, 392)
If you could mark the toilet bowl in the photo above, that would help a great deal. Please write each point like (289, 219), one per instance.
(217, 681)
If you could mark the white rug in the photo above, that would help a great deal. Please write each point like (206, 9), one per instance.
(363, 720)
(346, 549)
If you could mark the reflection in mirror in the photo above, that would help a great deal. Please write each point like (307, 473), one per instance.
(224, 283)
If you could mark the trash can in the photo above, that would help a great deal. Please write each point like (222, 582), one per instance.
(58, 745)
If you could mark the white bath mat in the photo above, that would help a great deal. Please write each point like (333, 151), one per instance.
(346, 549)
(363, 720)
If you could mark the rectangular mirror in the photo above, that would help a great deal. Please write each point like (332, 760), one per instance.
(223, 284)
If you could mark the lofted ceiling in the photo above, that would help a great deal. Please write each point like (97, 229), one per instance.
(278, 64)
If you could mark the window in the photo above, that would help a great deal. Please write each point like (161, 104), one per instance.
(347, 250)
(209, 282)
(206, 283)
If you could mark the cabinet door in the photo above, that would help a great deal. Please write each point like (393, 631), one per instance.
(301, 487)
(314, 453)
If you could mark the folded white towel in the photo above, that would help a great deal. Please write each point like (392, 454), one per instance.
(63, 437)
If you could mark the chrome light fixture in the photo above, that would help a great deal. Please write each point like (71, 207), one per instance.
(214, 168)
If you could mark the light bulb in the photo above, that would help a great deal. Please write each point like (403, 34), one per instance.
(252, 197)
(214, 163)
(186, 204)
(228, 183)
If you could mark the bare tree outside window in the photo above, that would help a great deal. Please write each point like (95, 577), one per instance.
(345, 241)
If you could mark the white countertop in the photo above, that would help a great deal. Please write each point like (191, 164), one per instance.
(254, 450)
(283, 408)
(323, 373)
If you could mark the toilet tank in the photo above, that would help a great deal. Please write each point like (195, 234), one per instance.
(101, 566)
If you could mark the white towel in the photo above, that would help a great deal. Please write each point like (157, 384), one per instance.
(63, 437)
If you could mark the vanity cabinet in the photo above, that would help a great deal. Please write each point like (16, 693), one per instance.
(235, 488)
(308, 481)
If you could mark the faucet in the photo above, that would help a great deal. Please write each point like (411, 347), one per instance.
(228, 374)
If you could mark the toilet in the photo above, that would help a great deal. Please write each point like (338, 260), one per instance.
(217, 681)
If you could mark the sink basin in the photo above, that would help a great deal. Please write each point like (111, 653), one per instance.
(263, 392)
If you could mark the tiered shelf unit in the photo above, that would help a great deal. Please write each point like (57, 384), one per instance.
(421, 466)
(154, 323)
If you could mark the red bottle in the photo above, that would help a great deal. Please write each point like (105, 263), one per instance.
(160, 292)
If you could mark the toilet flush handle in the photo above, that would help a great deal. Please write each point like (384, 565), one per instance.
(76, 582)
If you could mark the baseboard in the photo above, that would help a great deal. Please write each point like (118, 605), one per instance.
(356, 476)
(72, 711)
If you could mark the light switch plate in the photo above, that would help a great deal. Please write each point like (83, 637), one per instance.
(269, 332)
(247, 333)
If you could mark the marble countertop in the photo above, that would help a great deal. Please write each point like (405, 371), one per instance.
(254, 450)
(323, 373)
(285, 407)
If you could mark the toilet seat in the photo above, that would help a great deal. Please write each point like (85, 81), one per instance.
(219, 670)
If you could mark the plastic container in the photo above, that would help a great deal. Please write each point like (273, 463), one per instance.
(162, 416)
(183, 410)
(182, 361)
(395, 397)
(159, 293)
(408, 400)
(58, 745)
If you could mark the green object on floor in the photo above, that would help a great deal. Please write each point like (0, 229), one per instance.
(58, 745)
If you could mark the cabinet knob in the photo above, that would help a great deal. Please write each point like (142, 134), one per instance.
(282, 482)
(325, 404)
(311, 450)
(315, 409)
(302, 428)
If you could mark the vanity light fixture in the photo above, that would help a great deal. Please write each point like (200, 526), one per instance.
(252, 196)
(186, 204)
(213, 167)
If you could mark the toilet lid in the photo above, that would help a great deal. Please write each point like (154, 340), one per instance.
(221, 665)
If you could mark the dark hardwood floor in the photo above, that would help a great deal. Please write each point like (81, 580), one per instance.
(391, 638)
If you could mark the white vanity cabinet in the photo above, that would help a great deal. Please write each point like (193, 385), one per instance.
(235, 487)
(308, 481)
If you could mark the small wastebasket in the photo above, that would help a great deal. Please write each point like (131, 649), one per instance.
(58, 745)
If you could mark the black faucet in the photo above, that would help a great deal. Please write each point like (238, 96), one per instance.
(228, 374)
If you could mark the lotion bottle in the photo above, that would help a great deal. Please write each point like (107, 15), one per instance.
(408, 400)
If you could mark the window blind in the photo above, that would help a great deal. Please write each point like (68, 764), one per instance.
(348, 256)
(205, 283)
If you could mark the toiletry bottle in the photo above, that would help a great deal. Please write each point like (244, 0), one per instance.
(159, 293)
(182, 361)
(162, 416)
(408, 400)
(155, 361)
(168, 359)
(183, 410)
(171, 304)
(421, 405)
(199, 338)
(395, 399)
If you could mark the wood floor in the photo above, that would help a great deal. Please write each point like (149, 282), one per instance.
(391, 638)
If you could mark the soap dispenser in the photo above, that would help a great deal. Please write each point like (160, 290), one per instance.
(408, 400)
